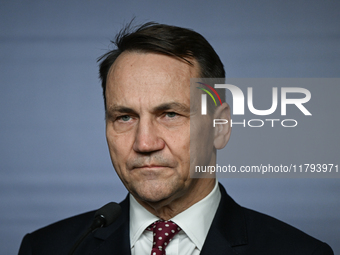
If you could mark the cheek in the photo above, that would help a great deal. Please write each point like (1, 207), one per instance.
(179, 146)
(179, 139)
(119, 155)
(119, 147)
(201, 144)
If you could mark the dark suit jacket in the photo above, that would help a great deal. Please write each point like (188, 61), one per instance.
(234, 230)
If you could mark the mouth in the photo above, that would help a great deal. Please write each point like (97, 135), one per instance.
(152, 172)
(151, 164)
(151, 167)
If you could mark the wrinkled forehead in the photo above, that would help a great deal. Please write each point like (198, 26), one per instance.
(146, 76)
(142, 64)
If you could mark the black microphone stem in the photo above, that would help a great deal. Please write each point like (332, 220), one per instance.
(75, 246)
(104, 217)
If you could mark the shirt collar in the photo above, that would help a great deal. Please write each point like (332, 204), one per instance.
(195, 221)
(140, 219)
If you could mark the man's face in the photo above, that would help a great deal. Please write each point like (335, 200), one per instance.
(148, 125)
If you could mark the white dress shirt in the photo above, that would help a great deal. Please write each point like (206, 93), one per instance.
(194, 222)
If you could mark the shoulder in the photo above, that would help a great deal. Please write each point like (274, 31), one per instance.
(68, 226)
(266, 232)
(251, 232)
(58, 237)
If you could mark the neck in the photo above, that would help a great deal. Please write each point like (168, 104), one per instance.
(170, 207)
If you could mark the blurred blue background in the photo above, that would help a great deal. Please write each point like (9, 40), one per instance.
(54, 161)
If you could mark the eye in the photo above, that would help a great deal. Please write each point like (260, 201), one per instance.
(171, 114)
(125, 118)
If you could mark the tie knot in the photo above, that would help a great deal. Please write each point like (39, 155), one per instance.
(163, 232)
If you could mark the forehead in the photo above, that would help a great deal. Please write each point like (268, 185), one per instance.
(147, 77)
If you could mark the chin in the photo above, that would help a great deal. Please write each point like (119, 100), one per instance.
(154, 192)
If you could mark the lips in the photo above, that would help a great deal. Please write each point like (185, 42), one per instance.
(150, 162)
(151, 167)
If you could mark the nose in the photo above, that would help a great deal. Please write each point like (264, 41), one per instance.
(148, 138)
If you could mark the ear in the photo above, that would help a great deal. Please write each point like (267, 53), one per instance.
(222, 131)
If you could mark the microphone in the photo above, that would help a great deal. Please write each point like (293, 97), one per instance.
(104, 217)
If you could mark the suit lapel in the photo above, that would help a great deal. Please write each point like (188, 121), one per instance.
(115, 239)
(227, 234)
(228, 230)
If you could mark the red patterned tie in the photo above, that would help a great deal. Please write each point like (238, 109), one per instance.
(163, 232)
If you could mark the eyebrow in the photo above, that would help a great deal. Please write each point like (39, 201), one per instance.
(163, 107)
(172, 105)
(121, 109)
(110, 112)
